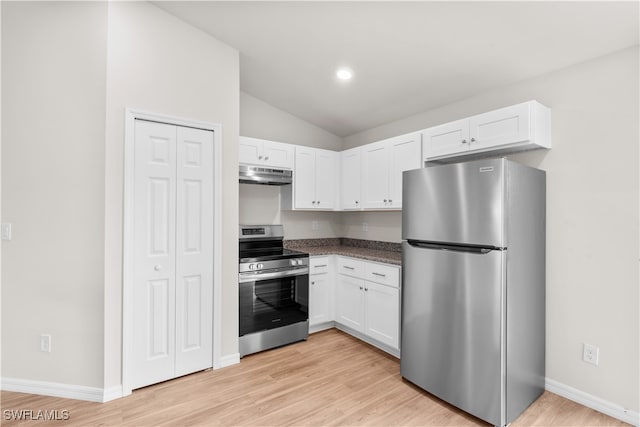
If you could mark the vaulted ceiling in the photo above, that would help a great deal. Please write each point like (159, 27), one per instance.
(407, 57)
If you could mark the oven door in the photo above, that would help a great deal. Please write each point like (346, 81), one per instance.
(272, 300)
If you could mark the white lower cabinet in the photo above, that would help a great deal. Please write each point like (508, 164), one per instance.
(368, 300)
(350, 302)
(320, 293)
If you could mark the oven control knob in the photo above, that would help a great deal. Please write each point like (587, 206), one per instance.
(260, 266)
(299, 262)
(252, 266)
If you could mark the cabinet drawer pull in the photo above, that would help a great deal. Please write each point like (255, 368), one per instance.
(360, 287)
(464, 141)
(366, 289)
(378, 274)
(321, 265)
(473, 140)
(350, 268)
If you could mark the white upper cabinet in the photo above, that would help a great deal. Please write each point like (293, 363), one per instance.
(350, 165)
(382, 165)
(315, 178)
(406, 154)
(261, 152)
(375, 176)
(515, 128)
(446, 139)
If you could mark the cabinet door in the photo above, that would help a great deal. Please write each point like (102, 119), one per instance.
(350, 302)
(278, 154)
(319, 298)
(375, 176)
(382, 311)
(509, 125)
(326, 179)
(304, 177)
(250, 150)
(446, 139)
(351, 175)
(405, 155)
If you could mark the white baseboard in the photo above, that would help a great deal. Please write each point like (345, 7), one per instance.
(593, 402)
(68, 391)
(230, 359)
(112, 393)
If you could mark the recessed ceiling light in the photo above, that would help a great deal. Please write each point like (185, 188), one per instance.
(344, 73)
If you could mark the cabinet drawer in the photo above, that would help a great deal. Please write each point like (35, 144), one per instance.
(351, 267)
(383, 274)
(318, 265)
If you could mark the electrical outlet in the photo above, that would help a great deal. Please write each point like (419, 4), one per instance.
(315, 225)
(6, 231)
(45, 343)
(590, 354)
(365, 227)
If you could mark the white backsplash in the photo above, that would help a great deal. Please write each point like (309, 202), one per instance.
(260, 204)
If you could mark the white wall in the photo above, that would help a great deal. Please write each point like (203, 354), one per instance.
(261, 120)
(70, 70)
(53, 115)
(592, 215)
(158, 63)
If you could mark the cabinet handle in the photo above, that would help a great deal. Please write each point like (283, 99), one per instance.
(390, 200)
(313, 201)
(385, 200)
(259, 157)
(360, 287)
(366, 289)
(473, 140)
(357, 202)
(323, 265)
(350, 268)
(266, 157)
(378, 274)
(313, 283)
(464, 141)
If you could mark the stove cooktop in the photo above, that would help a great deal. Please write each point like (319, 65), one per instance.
(270, 254)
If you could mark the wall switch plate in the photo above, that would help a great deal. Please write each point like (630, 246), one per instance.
(590, 354)
(365, 227)
(6, 231)
(45, 343)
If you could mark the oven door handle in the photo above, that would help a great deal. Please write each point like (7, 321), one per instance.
(255, 276)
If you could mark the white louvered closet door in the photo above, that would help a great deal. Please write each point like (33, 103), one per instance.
(173, 252)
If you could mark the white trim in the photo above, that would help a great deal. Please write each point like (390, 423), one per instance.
(127, 266)
(112, 393)
(230, 359)
(609, 408)
(67, 391)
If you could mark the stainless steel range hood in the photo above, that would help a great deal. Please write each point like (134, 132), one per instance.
(265, 176)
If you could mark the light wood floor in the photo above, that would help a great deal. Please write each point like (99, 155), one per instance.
(331, 379)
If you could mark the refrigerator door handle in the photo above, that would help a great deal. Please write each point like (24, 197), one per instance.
(453, 247)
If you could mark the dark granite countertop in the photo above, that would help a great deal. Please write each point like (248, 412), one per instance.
(369, 250)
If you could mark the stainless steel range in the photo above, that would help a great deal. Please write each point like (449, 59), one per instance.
(274, 290)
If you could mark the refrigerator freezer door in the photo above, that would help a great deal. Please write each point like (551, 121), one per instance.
(459, 203)
(452, 327)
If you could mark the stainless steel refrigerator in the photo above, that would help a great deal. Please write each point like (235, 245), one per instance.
(473, 296)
